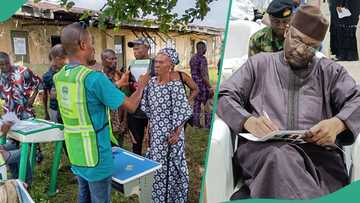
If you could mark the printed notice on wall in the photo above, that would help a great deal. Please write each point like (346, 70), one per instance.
(19, 46)
(118, 48)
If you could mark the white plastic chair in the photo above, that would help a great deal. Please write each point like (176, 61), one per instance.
(3, 172)
(239, 34)
(355, 167)
(219, 172)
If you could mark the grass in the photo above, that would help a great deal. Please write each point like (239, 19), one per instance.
(196, 143)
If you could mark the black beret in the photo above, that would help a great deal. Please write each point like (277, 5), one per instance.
(280, 8)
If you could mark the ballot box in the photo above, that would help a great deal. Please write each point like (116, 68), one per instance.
(133, 174)
(36, 131)
(31, 132)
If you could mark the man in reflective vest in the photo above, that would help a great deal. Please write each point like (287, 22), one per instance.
(84, 97)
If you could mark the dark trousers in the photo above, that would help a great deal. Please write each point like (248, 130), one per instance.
(13, 161)
(137, 129)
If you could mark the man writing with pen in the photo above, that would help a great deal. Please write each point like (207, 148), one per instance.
(292, 90)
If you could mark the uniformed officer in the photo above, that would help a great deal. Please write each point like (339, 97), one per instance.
(271, 38)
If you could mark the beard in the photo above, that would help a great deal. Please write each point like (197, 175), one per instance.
(297, 61)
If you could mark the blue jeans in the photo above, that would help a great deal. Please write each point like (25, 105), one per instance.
(94, 192)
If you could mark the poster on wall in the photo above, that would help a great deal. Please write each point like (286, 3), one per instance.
(118, 48)
(19, 46)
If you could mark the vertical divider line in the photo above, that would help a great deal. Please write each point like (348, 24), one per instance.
(201, 199)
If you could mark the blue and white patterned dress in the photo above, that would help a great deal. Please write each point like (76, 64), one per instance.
(167, 107)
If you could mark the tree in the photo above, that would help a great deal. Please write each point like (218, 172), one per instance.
(161, 12)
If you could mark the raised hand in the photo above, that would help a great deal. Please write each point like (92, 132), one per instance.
(143, 80)
(123, 81)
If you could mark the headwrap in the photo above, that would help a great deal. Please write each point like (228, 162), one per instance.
(172, 54)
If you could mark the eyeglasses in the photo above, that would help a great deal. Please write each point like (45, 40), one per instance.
(301, 44)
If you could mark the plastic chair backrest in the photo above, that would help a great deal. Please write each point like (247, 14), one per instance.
(355, 169)
(219, 172)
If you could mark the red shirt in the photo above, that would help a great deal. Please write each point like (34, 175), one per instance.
(16, 87)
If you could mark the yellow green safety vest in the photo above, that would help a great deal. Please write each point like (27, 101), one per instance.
(79, 134)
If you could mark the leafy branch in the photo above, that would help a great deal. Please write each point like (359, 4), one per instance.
(147, 12)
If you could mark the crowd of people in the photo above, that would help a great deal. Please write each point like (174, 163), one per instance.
(100, 108)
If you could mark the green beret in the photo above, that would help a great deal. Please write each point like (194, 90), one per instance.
(280, 8)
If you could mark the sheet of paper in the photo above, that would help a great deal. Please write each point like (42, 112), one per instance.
(344, 12)
(139, 67)
(28, 126)
(118, 49)
(19, 46)
(281, 134)
(10, 117)
(136, 72)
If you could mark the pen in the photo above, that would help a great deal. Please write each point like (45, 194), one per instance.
(274, 127)
(266, 115)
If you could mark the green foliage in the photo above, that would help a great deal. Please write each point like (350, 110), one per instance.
(160, 11)
(66, 4)
(87, 14)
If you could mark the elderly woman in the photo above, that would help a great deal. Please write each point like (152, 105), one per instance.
(167, 108)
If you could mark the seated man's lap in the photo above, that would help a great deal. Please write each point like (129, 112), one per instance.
(250, 153)
(10, 145)
(329, 164)
(325, 166)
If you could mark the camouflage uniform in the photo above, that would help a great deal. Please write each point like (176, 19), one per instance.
(264, 41)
